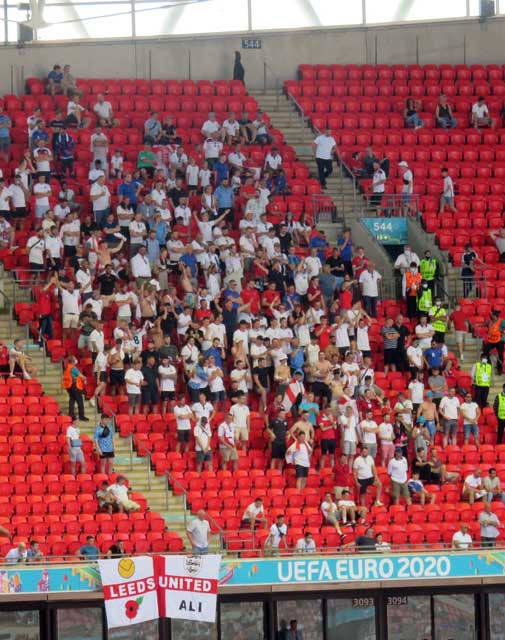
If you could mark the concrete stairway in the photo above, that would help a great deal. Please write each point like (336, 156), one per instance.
(141, 477)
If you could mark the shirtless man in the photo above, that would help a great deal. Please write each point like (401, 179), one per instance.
(428, 410)
(322, 373)
(104, 254)
(304, 425)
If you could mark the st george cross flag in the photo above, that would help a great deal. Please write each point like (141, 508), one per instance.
(129, 589)
(294, 389)
(187, 586)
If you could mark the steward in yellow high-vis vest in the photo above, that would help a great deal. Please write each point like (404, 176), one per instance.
(438, 320)
(481, 373)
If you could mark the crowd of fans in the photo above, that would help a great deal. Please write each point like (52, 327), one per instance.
(192, 302)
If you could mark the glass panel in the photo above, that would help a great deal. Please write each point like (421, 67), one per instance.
(398, 10)
(408, 616)
(189, 630)
(141, 631)
(496, 617)
(304, 13)
(20, 624)
(455, 616)
(242, 620)
(155, 18)
(95, 21)
(350, 618)
(79, 624)
(307, 614)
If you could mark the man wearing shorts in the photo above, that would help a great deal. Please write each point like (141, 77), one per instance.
(347, 507)
(104, 443)
(277, 431)
(348, 423)
(330, 512)
(254, 515)
(428, 410)
(449, 409)
(227, 447)
(134, 378)
(183, 417)
(203, 434)
(365, 475)
(397, 470)
(74, 444)
(168, 377)
(241, 419)
(299, 453)
(327, 427)
(470, 412)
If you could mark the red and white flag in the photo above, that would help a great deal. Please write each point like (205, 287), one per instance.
(187, 586)
(129, 589)
(295, 387)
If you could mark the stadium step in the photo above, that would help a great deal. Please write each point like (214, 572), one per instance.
(137, 469)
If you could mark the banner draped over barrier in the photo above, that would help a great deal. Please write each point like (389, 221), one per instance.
(145, 588)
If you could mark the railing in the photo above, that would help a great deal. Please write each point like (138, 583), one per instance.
(277, 82)
(344, 170)
(347, 549)
(169, 478)
(391, 288)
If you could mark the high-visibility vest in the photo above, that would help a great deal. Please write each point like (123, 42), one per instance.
(428, 268)
(425, 300)
(412, 283)
(438, 325)
(67, 380)
(483, 375)
(494, 331)
(501, 406)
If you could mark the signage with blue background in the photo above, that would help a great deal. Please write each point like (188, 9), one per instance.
(282, 571)
(388, 230)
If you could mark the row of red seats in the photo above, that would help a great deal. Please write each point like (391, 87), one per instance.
(126, 86)
(492, 72)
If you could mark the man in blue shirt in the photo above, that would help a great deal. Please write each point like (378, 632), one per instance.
(131, 189)
(189, 259)
(345, 245)
(5, 135)
(232, 292)
(297, 357)
(89, 551)
(221, 169)
(104, 443)
(54, 79)
(434, 356)
(216, 352)
(224, 197)
(321, 244)
(152, 129)
(40, 137)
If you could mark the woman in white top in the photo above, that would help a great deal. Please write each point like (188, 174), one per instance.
(209, 201)
(386, 437)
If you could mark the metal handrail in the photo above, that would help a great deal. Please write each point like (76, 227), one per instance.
(266, 68)
(340, 161)
(169, 478)
(394, 549)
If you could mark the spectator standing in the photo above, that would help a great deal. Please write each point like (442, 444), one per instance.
(489, 524)
(104, 443)
(198, 533)
(134, 379)
(203, 434)
(323, 148)
(397, 470)
(183, 416)
(74, 444)
(365, 475)
(499, 411)
(471, 413)
(449, 410)
(299, 454)
(447, 196)
(369, 283)
(89, 551)
(378, 186)
(482, 373)
(227, 446)
(74, 382)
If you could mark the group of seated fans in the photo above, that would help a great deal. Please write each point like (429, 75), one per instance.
(247, 355)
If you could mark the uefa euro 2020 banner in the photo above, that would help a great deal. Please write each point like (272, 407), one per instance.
(145, 588)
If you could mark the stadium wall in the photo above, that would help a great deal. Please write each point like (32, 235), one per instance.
(468, 41)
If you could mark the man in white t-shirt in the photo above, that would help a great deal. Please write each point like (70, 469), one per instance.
(277, 535)
(461, 539)
(41, 191)
(397, 470)
(36, 246)
(448, 410)
(369, 283)
(323, 148)
(227, 446)
(369, 430)
(74, 447)
(306, 544)
(134, 379)
(241, 419)
(70, 308)
(480, 115)
(470, 412)
(473, 488)
(447, 197)
(254, 515)
(104, 112)
(203, 434)
(168, 377)
(99, 194)
(365, 475)
(210, 126)
(183, 417)
(408, 185)
(198, 533)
